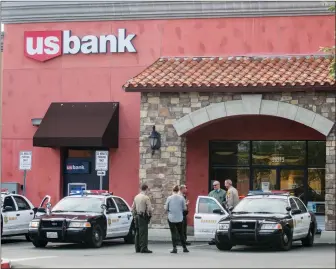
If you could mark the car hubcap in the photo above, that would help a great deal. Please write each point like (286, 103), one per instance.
(96, 235)
(285, 238)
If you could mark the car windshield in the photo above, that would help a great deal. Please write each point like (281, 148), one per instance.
(79, 204)
(261, 205)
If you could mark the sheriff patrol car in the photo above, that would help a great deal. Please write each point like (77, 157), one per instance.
(17, 212)
(260, 218)
(86, 217)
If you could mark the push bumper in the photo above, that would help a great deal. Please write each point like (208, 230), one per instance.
(70, 235)
(248, 238)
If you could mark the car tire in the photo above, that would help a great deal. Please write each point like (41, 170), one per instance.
(224, 247)
(28, 238)
(40, 243)
(96, 238)
(130, 238)
(286, 239)
(309, 240)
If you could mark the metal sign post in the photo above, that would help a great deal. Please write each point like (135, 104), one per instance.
(101, 165)
(25, 164)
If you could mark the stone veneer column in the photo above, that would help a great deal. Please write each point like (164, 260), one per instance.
(330, 186)
(166, 167)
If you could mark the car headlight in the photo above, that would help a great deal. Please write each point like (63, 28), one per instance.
(79, 224)
(271, 226)
(223, 226)
(34, 224)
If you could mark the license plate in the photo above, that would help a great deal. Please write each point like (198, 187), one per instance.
(52, 235)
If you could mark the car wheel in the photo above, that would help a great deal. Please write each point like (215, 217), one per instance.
(130, 238)
(28, 238)
(309, 240)
(222, 246)
(39, 243)
(286, 239)
(96, 238)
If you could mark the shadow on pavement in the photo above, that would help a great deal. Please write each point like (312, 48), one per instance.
(11, 240)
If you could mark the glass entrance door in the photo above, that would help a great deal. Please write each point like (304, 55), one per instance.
(292, 180)
(264, 179)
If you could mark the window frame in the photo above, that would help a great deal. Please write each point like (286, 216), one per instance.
(125, 204)
(14, 203)
(17, 203)
(299, 202)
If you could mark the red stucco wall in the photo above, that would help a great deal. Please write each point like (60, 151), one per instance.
(235, 128)
(29, 86)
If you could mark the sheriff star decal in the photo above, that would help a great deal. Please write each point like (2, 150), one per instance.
(109, 221)
(6, 219)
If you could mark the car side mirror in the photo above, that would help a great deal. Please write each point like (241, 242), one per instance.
(48, 205)
(42, 210)
(231, 208)
(296, 211)
(111, 210)
(218, 211)
(8, 208)
(288, 209)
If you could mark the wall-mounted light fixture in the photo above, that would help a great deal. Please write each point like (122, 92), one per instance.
(155, 140)
(36, 121)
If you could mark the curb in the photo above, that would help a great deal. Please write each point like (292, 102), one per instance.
(5, 264)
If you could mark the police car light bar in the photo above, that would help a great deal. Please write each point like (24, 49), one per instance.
(260, 192)
(97, 192)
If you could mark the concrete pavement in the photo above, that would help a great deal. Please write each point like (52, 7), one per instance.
(163, 235)
(115, 254)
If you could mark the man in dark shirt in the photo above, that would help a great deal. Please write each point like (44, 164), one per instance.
(183, 192)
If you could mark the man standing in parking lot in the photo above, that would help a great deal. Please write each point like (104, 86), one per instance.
(219, 194)
(183, 192)
(232, 197)
(142, 212)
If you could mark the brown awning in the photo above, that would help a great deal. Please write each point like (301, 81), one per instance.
(79, 125)
(234, 74)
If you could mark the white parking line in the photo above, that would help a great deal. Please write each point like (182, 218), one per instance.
(32, 258)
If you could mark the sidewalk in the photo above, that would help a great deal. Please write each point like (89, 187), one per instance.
(163, 235)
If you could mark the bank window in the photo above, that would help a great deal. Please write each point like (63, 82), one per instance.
(232, 153)
(278, 153)
(317, 153)
(207, 206)
(78, 153)
(121, 205)
(21, 203)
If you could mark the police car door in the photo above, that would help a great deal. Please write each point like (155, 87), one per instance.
(25, 212)
(125, 215)
(305, 216)
(298, 223)
(10, 223)
(205, 220)
(46, 199)
(113, 229)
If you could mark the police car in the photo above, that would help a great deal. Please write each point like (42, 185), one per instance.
(266, 218)
(17, 212)
(87, 217)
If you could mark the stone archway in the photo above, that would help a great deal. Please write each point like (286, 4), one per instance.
(253, 105)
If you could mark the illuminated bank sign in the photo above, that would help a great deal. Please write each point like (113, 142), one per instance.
(46, 45)
(77, 167)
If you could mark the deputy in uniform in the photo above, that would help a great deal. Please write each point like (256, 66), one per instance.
(232, 197)
(183, 192)
(142, 213)
(219, 194)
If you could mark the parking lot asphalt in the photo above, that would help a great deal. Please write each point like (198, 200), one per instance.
(115, 254)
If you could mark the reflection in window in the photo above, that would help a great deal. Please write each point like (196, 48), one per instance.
(316, 189)
(230, 153)
(317, 153)
(264, 177)
(278, 152)
(292, 181)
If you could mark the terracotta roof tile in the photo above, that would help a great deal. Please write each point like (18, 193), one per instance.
(216, 72)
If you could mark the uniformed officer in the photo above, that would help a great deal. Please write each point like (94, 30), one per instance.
(219, 194)
(183, 192)
(232, 197)
(142, 212)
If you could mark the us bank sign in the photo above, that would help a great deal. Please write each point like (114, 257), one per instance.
(46, 45)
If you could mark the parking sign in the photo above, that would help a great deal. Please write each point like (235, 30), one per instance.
(102, 160)
(25, 160)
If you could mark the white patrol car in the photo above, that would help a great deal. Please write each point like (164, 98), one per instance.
(260, 218)
(17, 212)
(88, 217)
